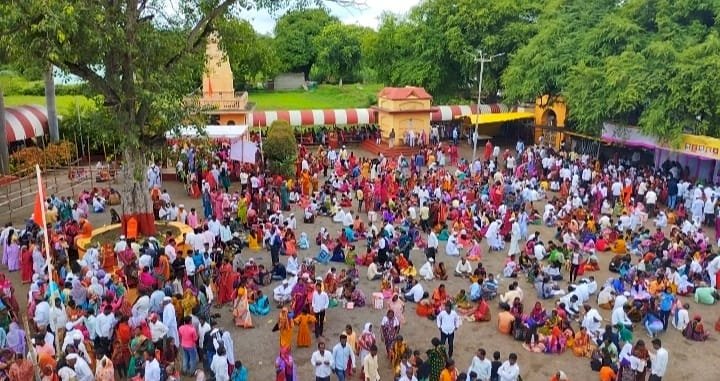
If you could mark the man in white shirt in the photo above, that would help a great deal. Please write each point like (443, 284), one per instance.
(81, 367)
(619, 316)
(659, 361)
(650, 201)
(152, 367)
(592, 321)
(42, 314)
(158, 330)
(322, 360)
(170, 250)
(539, 251)
(416, 292)
(463, 268)
(448, 322)
(320, 303)
(281, 293)
(292, 264)
(481, 366)
(509, 370)
(104, 327)
(372, 272)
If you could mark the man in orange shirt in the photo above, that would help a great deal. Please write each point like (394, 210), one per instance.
(606, 372)
(505, 320)
(449, 373)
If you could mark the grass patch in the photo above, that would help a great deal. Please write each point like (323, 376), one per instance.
(325, 96)
(65, 103)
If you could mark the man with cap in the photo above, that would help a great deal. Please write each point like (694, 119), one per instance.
(74, 340)
(80, 366)
(121, 245)
(282, 293)
(169, 318)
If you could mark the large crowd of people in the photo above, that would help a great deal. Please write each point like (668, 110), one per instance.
(143, 307)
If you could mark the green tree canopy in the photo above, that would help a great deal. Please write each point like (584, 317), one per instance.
(141, 59)
(252, 55)
(295, 33)
(339, 51)
(650, 63)
(280, 148)
(434, 46)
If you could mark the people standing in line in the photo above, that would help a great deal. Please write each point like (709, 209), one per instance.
(322, 361)
(448, 322)
(342, 354)
(320, 304)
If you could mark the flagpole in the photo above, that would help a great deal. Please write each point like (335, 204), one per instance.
(46, 236)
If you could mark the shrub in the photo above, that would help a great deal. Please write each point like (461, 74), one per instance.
(280, 149)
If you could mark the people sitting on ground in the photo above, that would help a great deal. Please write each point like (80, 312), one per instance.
(416, 293)
(426, 271)
(506, 320)
(463, 268)
(373, 273)
(440, 272)
(261, 306)
(695, 330)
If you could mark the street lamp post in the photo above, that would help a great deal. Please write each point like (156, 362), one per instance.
(481, 58)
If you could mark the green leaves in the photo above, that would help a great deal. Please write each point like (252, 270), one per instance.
(295, 34)
(339, 52)
(280, 148)
(651, 63)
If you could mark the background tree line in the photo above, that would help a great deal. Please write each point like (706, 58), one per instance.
(651, 63)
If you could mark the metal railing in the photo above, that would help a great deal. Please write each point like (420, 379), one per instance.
(226, 101)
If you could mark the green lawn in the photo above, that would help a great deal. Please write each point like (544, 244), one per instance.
(65, 103)
(325, 96)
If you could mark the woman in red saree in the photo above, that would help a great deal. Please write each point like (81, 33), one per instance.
(226, 283)
(26, 263)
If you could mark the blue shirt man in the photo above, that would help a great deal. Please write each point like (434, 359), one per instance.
(475, 291)
(342, 354)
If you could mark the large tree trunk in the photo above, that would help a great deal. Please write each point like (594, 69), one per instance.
(135, 195)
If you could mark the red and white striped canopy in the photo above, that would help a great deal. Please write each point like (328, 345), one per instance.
(313, 117)
(447, 113)
(25, 122)
(362, 115)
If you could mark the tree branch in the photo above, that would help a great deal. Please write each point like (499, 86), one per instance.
(199, 32)
(95, 80)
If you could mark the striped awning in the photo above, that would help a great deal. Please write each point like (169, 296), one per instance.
(25, 122)
(313, 117)
(447, 113)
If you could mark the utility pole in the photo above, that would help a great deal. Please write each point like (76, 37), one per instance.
(482, 59)
(51, 106)
(4, 149)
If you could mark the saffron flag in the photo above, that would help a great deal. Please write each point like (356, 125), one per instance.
(39, 209)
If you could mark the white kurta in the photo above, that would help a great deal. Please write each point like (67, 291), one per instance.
(170, 322)
(451, 248)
